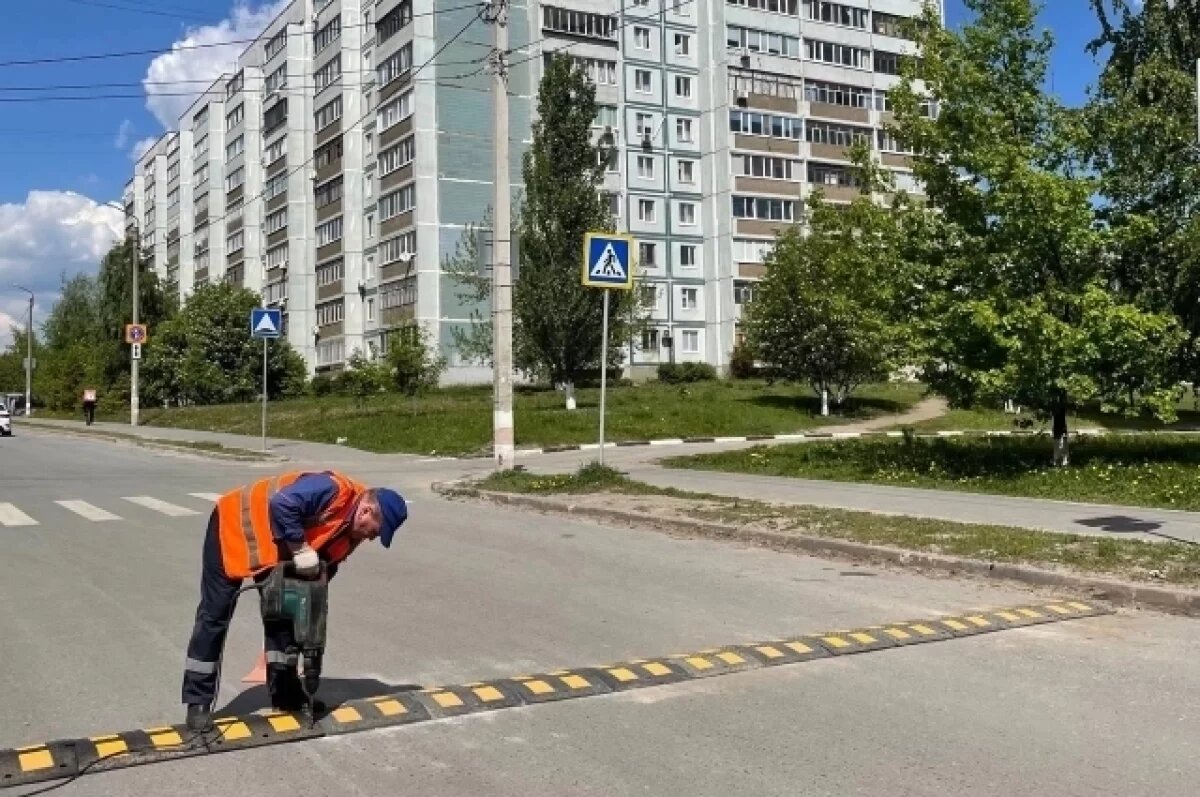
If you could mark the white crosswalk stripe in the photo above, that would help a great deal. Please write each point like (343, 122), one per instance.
(88, 511)
(11, 516)
(206, 496)
(172, 510)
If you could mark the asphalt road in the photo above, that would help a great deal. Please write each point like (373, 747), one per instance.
(94, 616)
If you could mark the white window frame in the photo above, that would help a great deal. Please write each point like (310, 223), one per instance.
(692, 336)
(646, 211)
(646, 173)
(687, 219)
(638, 83)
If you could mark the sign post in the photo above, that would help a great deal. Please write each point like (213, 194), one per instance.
(607, 264)
(265, 323)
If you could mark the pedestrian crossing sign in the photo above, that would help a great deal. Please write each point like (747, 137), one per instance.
(607, 261)
(266, 322)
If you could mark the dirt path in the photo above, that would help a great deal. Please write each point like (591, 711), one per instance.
(924, 410)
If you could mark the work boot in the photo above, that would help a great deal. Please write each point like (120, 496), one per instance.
(199, 718)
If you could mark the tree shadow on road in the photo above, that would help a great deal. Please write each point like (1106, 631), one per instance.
(333, 693)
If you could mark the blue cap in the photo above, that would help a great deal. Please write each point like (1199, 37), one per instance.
(393, 511)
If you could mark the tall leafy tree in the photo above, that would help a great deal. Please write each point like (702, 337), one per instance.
(831, 309)
(114, 288)
(1143, 141)
(1020, 301)
(557, 320)
(204, 355)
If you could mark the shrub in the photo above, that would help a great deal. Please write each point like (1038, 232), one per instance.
(680, 373)
(321, 385)
(741, 362)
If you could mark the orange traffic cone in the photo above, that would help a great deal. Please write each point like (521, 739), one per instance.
(257, 674)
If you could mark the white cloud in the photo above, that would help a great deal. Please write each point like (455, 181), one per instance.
(123, 134)
(245, 21)
(141, 147)
(49, 234)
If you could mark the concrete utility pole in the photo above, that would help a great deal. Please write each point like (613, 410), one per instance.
(495, 12)
(28, 355)
(134, 403)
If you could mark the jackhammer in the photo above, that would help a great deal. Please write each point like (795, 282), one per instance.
(304, 602)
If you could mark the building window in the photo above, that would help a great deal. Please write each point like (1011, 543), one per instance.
(328, 193)
(687, 214)
(685, 171)
(328, 153)
(767, 166)
(200, 176)
(688, 299)
(606, 116)
(395, 249)
(641, 38)
(602, 73)
(397, 202)
(235, 242)
(275, 151)
(683, 87)
(836, 14)
(330, 352)
(643, 122)
(650, 340)
(397, 157)
(645, 167)
(614, 205)
(393, 21)
(275, 45)
(173, 171)
(275, 116)
(329, 232)
(326, 35)
(368, 143)
(396, 111)
(743, 292)
(370, 226)
(641, 81)
(838, 54)
(234, 85)
(277, 256)
(887, 25)
(683, 130)
(328, 113)
(276, 221)
(774, 6)
(395, 66)
(330, 312)
(276, 80)
(691, 341)
(330, 273)
(683, 44)
(328, 73)
(235, 117)
(646, 254)
(687, 256)
(371, 309)
(761, 41)
(835, 134)
(763, 208)
(579, 23)
(765, 124)
(276, 186)
(886, 63)
(200, 148)
(173, 197)
(235, 178)
(837, 94)
(646, 210)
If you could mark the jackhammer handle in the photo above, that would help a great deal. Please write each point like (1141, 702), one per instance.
(289, 569)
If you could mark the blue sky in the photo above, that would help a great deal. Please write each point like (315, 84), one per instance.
(59, 159)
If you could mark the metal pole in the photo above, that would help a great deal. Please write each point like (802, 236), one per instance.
(264, 403)
(29, 361)
(134, 403)
(603, 371)
(503, 435)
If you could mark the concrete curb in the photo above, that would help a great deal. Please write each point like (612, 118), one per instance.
(137, 440)
(1120, 593)
(833, 437)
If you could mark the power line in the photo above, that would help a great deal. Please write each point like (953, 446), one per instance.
(135, 10)
(185, 47)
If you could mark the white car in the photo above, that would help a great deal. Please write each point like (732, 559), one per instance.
(5, 421)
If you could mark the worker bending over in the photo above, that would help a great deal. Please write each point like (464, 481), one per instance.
(302, 517)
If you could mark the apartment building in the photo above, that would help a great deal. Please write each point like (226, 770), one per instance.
(340, 163)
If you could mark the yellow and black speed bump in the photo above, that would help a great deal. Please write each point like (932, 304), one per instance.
(72, 757)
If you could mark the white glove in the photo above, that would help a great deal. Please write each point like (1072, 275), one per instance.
(306, 561)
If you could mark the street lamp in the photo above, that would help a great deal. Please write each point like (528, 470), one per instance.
(134, 401)
(28, 355)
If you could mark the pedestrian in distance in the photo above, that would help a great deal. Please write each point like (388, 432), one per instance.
(89, 405)
(309, 519)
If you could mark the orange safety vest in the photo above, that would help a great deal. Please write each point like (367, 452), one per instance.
(247, 545)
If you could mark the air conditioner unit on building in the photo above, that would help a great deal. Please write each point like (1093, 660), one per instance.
(742, 97)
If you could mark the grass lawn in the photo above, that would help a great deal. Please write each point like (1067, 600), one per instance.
(1175, 563)
(1141, 470)
(987, 418)
(456, 421)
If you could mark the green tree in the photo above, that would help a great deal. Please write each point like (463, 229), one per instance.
(204, 355)
(473, 341)
(363, 378)
(414, 360)
(114, 309)
(830, 310)
(1142, 131)
(557, 321)
(1018, 300)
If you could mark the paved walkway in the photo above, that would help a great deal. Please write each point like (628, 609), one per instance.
(924, 410)
(1033, 513)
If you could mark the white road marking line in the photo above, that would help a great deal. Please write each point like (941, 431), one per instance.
(173, 510)
(206, 496)
(88, 511)
(11, 516)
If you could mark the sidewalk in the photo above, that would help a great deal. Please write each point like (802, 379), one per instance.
(1156, 525)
